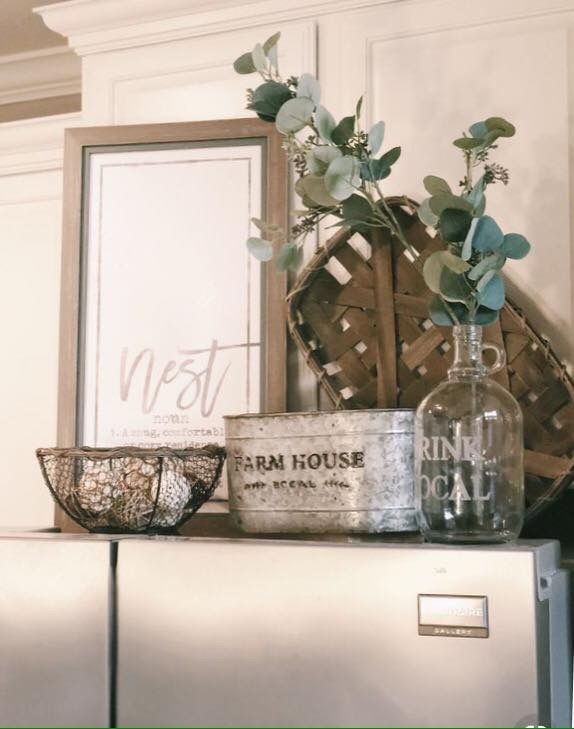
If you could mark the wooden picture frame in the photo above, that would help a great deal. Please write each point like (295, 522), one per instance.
(87, 147)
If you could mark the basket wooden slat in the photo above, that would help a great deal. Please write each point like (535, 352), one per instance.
(333, 321)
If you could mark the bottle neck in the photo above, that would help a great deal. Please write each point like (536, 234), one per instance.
(467, 362)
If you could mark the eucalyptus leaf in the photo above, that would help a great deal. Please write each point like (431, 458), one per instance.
(501, 126)
(454, 224)
(319, 158)
(478, 129)
(432, 271)
(444, 200)
(268, 229)
(294, 115)
(260, 248)
(426, 215)
(271, 42)
(476, 195)
(435, 264)
(466, 252)
(440, 314)
(244, 64)
(342, 177)
(454, 262)
(515, 245)
(325, 123)
(259, 58)
(374, 170)
(313, 187)
(358, 108)
(485, 316)
(289, 257)
(467, 143)
(485, 279)
(343, 131)
(272, 56)
(487, 236)
(357, 208)
(480, 208)
(454, 287)
(309, 88)
(492, 293)
(389, 158)
(268, 98)
(376, 136)
(492, 262)
(435, 185)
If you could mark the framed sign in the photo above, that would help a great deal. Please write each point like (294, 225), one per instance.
(167, 322)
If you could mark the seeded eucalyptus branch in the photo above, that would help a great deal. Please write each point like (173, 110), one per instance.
(466, 276)
(338, 165)
(340, 169)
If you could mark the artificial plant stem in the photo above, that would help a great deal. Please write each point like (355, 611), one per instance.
(382, 263)
(468, 181)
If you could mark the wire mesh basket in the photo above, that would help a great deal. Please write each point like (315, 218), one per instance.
(131, 489)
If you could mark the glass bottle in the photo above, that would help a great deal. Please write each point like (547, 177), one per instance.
(469, 451)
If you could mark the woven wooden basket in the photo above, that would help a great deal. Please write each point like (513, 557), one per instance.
(334, 317)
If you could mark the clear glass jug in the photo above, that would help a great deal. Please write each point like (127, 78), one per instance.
(469, 451)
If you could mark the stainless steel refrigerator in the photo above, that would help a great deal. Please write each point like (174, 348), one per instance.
(54, 631)
(287, 633)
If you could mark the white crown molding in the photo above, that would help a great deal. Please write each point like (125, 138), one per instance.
(34, 145)
(95, 26)
(39, 75)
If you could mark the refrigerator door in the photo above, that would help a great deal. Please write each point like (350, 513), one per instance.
(267, 633)
(54, 632)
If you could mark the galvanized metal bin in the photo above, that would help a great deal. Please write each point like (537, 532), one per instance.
(341, 471)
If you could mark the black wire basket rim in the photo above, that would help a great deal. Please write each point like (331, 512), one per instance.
(210, 449)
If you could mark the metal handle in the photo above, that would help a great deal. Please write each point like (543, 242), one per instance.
(500, 357)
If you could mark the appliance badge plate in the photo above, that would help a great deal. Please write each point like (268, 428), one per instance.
(453, 616)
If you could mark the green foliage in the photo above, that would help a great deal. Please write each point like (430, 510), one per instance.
(492, 262)
(271, 43)
(294, 115)
(491, 294)
(378, 169)
(472, 290)
(343, 131)
(487, 235)
(426, 215)
(260, 248)
(319, 158)
(340, 168)
(268, 98)
(435, 185)
(515, 245)
(244, 64)
(314, 188)
(453, 224)
(342, 177)
(308, 87)
(358, 213)
(376, 136)
(289, 257)
(325, 123)
(454, 286)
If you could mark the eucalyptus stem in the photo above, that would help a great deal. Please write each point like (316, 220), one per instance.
(468, 179)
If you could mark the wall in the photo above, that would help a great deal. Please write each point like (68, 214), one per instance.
(30, 213)
(428, 67)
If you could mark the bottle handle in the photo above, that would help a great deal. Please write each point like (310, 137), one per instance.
(499, 360)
